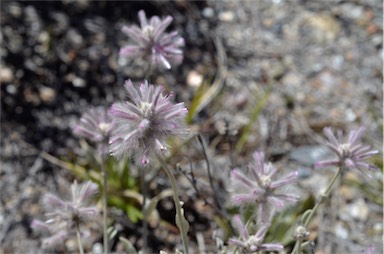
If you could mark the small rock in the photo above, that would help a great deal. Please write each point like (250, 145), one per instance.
(11, 89)
(348, 192)
(78, 82)
(15, 10)
(6, 74)
(226, 16)
(208, 12)
(341, 231)
(325, 28)
(194, 79)
(47, 94)
(358, 210)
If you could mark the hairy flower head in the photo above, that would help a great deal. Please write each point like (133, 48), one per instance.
(152, 43)
(261, 186)
(350, 151)
(252, 243)
(144, 123)
(95, 125)
(63, 215)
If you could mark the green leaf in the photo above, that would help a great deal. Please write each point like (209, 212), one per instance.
(133, 213)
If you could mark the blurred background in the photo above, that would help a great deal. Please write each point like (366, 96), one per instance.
(274, 73)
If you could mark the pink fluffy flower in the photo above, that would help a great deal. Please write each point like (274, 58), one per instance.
(144, 123)
(152, 43)
(252, 243)
(350, 151)
(259, 187)
(95, 125)
(63, 215)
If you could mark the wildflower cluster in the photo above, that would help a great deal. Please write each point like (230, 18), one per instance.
(260, 189)
(140, 127)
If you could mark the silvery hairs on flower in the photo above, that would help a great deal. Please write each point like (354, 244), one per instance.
(62, 215)
(144, 123)
(152, 43)
(252, 243)
(259, 188)
(95, 125)
(350, 152)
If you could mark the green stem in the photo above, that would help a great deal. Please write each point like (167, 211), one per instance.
(143, 209)
(323, 197)
(105, 233)
(176, 199)
(81, 249)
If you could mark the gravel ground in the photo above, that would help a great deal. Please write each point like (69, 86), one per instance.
(316, 63)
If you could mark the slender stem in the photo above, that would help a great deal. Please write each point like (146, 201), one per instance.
(298, 244)
(148, 72)
(176, 199)
(105, 226)
(81, 249)
(323, 197)
(143, 209)
(216, 199)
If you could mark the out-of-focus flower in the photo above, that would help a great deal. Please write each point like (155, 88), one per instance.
(55, 239)
(95, 125)
(144, 123)
(63, 216)
(254, 242)
(369, 250)
(259, 188)
(152, 43)
(351, 152)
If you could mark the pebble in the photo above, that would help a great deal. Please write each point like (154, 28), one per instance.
(208, 12)
(6, 74)
(358, 210)
(325, 27)
(15, 10)
(341, 231)
(47, 94)
(78, 82)
(227, 16)
(348, 192)
(194, 79)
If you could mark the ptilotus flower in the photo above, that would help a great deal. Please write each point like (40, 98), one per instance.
(369, 250)
(144, 123)
(63, 215)
(350, 151)
(95, 125)
(260, 188)
(253, 243)
(152, 43)
(55, 239)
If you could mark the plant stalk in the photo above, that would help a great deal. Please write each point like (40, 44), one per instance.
(143, 209)
(81, 249)
(323, 197)
(176, 199)
(105, 227)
